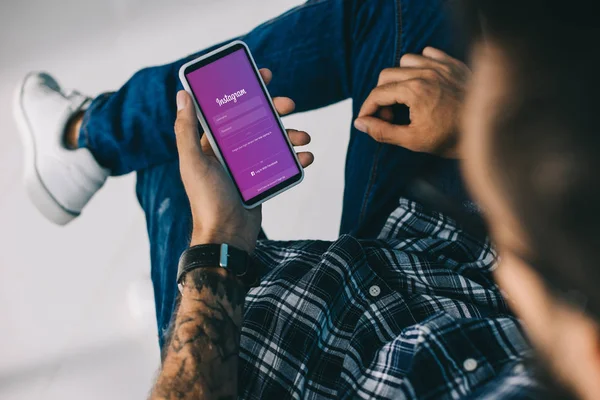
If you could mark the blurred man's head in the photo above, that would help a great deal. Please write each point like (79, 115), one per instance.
(532, 149)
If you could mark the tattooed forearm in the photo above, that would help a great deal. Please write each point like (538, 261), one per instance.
(201, 357)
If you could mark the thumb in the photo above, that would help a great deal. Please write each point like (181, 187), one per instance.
(186, 132)
(382, 131)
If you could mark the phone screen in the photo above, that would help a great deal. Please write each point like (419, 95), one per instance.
(243, 124)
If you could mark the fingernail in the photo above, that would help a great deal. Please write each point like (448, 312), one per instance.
(360, 125)
(181, 100)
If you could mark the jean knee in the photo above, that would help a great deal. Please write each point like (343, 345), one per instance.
(159, 187)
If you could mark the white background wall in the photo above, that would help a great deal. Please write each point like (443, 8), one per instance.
(76, 308)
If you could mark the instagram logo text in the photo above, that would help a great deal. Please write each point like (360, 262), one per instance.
(231, 97)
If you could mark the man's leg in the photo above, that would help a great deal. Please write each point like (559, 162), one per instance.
(307, 49)
(168, 220)
(377, 174)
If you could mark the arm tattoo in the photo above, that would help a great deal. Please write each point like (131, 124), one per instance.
(201, 355)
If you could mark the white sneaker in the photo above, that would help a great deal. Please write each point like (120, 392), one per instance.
(59, 181)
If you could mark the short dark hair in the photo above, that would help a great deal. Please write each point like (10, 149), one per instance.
(545, 144)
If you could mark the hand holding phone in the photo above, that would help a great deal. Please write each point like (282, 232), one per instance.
(241, 123)
(218, 215)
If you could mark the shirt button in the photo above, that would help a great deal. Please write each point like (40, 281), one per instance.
(374, 291)
(470, 365)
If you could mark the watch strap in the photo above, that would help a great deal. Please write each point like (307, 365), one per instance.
(237, 261)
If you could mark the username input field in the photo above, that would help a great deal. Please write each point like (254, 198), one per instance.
(236, 111)
(243, 122)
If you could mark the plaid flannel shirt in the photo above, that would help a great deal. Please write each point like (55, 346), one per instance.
(412, 314)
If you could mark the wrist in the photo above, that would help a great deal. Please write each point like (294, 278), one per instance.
(196, 279)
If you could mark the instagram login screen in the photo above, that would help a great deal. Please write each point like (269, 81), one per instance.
(240, 118)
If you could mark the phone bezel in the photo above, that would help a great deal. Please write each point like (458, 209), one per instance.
(209, 58)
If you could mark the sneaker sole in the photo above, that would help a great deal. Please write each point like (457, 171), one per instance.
(39, 195)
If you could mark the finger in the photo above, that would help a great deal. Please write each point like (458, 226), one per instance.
(390, 75)
(284, 105)
(298, 138)
(419, 61)
(384, 132)
(447, 69)
(206, 147)
(388, 95)
(437, 54)
(266, 75)
(306, 158)
(186, 131)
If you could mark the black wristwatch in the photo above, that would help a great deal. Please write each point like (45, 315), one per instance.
(237, 261)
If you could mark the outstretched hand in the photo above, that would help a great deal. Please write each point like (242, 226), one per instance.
(217, 211)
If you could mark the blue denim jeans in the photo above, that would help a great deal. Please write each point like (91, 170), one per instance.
(322, 52)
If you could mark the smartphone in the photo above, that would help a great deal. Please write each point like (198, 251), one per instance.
(241, 123)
